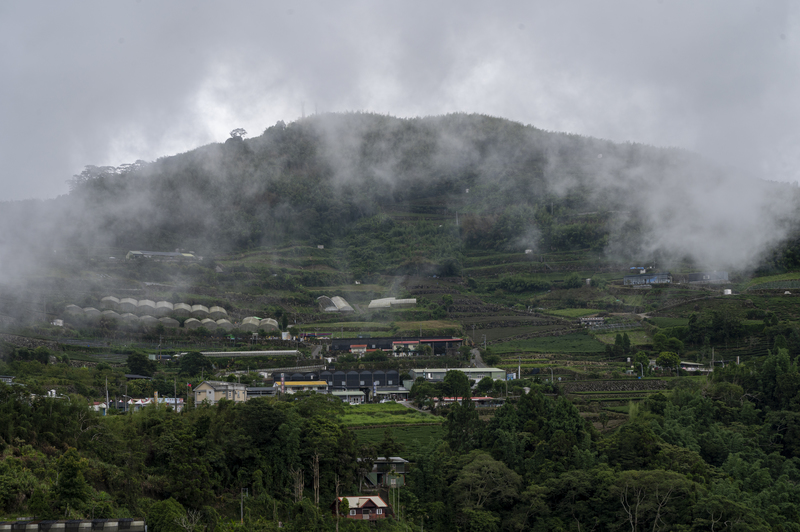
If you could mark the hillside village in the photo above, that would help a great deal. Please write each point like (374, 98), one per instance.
(457, 351)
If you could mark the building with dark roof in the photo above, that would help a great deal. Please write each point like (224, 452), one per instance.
(439, 344)
(647, 279)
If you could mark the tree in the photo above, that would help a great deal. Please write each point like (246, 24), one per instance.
(572, 280)
(619, 348)
(652, 499)
(462, 426)
(71, 489)
(675, 345)
(456, 384)
(238, 133)
(466, 352)
(484, 386)
(139, 364)
(668, 359)
(659, 342)
(484, 483)
(447, 302)
(194, 362)
(641, 363)
(164, 516)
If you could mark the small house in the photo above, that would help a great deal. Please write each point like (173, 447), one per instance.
(214, 391)
(368, 508)
(386, 473)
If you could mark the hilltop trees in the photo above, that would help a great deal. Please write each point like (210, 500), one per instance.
(139, 364)
(194, 363)
(668, 359)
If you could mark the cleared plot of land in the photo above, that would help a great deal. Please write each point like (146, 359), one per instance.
(498, 333)
(569, 343)
(385, 414)
(415, 439)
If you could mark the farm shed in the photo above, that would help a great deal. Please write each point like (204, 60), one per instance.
(92, 313)
(109, 303)
(163, 308)
(192, 323)
(169, 322)
(128, 304)
(148, 322)
(199, 311)
(181, 310)
(225, 324)
(217, 313)
(146, 307)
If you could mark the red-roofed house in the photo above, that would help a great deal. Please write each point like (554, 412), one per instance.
(370, 507)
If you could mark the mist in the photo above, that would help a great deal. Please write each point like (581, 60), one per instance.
(313, 180)
(104, 83)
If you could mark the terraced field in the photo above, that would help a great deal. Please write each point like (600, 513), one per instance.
(370, 415)
(569, 343)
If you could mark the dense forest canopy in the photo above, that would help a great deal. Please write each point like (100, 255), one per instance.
(720, 454)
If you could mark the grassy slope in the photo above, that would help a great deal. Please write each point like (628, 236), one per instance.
(385, 414)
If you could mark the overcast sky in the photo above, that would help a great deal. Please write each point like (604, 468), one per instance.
(108, 82)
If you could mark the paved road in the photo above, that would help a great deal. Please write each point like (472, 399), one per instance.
(477, 360)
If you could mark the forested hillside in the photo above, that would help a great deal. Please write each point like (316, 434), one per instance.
(363, 181)
(721, 455)
(503, 235)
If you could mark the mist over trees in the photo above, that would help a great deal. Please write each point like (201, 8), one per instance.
(335, 179)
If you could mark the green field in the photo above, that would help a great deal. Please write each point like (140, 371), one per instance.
(385, 414)
(637, 337)
(574, 312)
(670, 322)
(415, 439)
(569, 343)
(771, 281)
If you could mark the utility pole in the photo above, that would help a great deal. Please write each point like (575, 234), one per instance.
(316, 479)
(337, 503)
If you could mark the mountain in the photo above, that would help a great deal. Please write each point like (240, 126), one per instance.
(375, 181)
